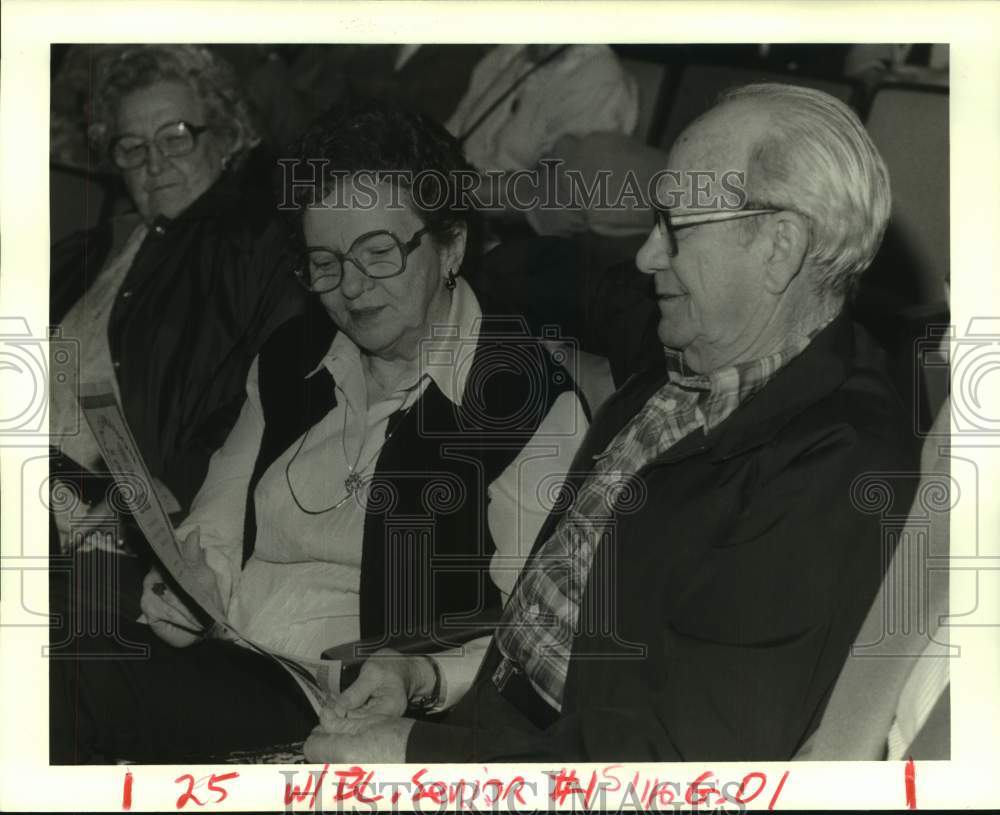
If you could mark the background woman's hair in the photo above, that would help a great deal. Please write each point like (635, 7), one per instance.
(365, 136)
(130, 68)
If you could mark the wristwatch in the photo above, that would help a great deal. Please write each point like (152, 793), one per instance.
(427, 702)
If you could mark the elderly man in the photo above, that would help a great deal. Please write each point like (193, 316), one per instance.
(698, 596)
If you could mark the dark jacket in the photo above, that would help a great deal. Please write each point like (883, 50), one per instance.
(203, 292)
(735, 588)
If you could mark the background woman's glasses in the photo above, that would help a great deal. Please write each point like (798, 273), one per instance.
(173, 140)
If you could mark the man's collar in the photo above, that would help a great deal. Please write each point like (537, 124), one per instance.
(819, 369)
(712, 381)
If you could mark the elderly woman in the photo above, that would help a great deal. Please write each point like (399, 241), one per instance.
(171, 301)
(385, 479)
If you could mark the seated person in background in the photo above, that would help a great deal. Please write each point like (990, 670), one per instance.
(523, 98)
(385, 475)
(429, 79)
(696, 593)
(171, 302)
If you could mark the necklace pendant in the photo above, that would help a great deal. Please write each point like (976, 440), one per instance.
(353, 483)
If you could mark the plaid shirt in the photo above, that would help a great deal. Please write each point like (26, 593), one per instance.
(537, 627)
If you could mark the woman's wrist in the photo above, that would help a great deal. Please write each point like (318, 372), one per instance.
(424, 685)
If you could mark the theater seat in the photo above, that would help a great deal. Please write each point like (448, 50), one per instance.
(891, 699)
(700, 85)
(909, 126)
(649, 77)
(77, 200)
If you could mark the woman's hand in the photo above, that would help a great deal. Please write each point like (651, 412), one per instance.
(168, 615)
(388, 680)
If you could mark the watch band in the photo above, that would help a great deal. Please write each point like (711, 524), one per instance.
(427, 702)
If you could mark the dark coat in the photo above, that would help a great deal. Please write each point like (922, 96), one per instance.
(203, 292)
(735, 588)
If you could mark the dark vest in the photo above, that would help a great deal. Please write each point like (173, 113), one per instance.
(427, 545)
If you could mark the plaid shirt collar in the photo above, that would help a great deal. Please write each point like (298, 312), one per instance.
(722, 390)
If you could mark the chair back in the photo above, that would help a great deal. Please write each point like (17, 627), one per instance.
(909, 126)
(899, 631)
(649, 77)
(700, 85)
(77, 200)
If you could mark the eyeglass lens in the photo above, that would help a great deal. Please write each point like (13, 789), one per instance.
(378, 256)
(172, 140)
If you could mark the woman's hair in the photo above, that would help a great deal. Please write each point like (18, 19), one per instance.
(821, 163)
(211, 78)
(385, 143)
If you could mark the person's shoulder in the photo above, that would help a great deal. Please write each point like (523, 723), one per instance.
(242, 203)
(862, 420)
(592, 58)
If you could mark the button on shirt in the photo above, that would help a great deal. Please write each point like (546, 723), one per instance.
(538, 624)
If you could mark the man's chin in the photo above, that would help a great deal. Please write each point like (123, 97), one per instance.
(672, 335)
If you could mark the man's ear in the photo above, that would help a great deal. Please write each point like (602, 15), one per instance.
(453, 252)
(789, 234)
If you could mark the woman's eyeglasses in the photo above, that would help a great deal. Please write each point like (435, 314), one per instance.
(173, 140)
(378, 255)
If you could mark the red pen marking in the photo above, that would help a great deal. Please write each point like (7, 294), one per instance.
(299, 794)
(215, 780)
(777, 792)
(188, 795)
(910, 779)
(127, 791)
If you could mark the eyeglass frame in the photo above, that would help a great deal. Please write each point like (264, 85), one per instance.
(194, 130)
(406, 248)
(673, 223)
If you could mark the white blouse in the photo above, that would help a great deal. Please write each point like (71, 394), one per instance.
(298, 592)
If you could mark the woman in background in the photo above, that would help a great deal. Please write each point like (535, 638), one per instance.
(170, 302)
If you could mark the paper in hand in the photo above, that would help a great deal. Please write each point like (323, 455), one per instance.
(136, 490)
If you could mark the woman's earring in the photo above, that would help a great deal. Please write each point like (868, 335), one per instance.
(225, 162)
(449, 284)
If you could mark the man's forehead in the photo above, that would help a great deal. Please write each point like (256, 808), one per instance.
(706, 166)
(723, 134)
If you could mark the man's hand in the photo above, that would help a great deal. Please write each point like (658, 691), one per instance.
(171, 620)
(375, 740)
(388, 680)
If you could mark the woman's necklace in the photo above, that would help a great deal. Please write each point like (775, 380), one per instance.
(354, 482)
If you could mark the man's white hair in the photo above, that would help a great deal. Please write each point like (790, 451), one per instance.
(818, 160)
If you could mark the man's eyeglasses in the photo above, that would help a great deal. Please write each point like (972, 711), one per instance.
(669, 223)
(173, 140)
(378, 255)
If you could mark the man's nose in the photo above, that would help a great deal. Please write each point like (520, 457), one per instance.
(353, 282)
(654, 255)
(155, 160)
